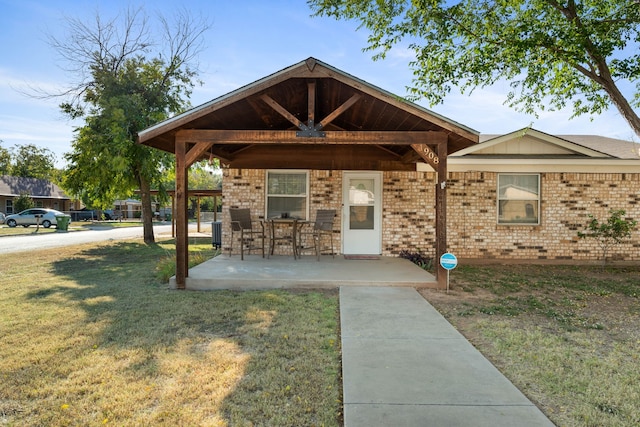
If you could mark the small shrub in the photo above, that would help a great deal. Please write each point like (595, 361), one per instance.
(23, 202)
(610, 232)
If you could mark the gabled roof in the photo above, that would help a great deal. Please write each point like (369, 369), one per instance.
(14, 186)
(308, 92)
(613, 147)
(534, 143)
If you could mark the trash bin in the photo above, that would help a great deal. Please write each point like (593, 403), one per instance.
(216, 234)
(62, 223)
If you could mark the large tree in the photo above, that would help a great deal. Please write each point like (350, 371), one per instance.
(552, 52)
(31, 161)
(128, 78)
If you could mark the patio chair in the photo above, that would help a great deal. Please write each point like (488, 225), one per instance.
(249, 235)
(322, 229)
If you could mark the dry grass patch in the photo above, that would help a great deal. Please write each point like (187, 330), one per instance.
(568, 337)
(90, 337)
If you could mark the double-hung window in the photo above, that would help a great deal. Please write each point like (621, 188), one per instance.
(519, 199)
(287, 194)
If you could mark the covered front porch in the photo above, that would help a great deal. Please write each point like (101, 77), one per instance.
(330, 126)
(279, 272)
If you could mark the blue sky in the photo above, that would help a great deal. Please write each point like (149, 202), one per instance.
(249, 39)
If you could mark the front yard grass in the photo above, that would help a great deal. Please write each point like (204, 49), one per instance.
(90, 336)
(567, 336)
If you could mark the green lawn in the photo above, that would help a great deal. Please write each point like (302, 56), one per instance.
(90, 336)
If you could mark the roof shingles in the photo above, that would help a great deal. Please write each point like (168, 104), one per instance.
(36, 188)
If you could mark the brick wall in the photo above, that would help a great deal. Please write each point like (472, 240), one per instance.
(567, 200)
(408, 213)
(473, 232)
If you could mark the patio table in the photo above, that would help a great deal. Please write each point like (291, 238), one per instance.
(286, 230)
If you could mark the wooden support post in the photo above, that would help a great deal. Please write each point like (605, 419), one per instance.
(182, 225)
(441, 214)
(438, 161)
(198, 213)
(173, 216)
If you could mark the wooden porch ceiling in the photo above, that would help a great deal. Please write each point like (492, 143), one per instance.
(309, 116)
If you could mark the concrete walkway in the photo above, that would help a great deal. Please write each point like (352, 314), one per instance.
(405, 365)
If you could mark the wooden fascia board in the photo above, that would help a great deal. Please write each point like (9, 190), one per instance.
(289, 137)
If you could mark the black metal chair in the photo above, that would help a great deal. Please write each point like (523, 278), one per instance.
(249, 235)
(322, 228)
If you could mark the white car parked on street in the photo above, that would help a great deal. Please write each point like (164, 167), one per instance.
(44, 217)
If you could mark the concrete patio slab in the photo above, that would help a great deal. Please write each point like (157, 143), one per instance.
(405, 365)
(255, 272)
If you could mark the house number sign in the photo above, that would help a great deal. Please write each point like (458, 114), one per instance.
(426, 152)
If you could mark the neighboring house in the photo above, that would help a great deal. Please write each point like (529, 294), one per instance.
(525, 195)
(129, 208)
(313, 137)
(44, 193)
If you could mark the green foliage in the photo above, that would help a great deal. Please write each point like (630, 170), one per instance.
(22, 202)
(31, 161)
(5, 160)
(28, 161)
(552, 52)
(610, 232)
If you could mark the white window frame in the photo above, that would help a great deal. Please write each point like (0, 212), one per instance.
(537, 201)
(287, 171)
(8, 207)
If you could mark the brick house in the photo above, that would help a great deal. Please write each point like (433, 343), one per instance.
(520, 196)
(526, 194)
(313, 137)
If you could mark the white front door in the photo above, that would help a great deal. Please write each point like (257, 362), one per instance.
(362, 213)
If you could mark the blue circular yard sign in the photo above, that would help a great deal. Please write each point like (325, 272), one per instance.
(448, 261)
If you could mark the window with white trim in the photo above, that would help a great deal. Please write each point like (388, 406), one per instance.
(8, 207)
(287, 194)
(519, 199)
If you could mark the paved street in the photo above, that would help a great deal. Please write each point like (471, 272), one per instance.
(29, 242)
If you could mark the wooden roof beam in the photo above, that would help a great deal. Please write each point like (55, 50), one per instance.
(341, 109)
(311, 103)
(289, 137)
(195, 152)
(283, 111)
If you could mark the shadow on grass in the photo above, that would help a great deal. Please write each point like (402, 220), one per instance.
(288, 340)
